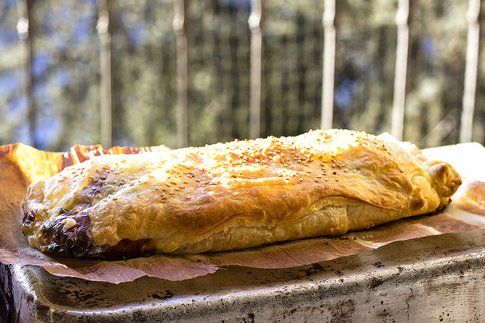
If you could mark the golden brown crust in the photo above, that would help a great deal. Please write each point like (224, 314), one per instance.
(474, 198)
(239, 194)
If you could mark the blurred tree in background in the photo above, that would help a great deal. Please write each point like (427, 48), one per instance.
(66, 70)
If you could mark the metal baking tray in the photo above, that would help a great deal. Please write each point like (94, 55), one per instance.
(439, 278)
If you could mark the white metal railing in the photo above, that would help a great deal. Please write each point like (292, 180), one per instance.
(254, 22)
(180, 29)
(256, 28)
(328, 20)
(402, 17)
(471, 70)
(103, 28)
(25, 33)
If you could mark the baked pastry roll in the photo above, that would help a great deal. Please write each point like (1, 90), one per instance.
(232, 195)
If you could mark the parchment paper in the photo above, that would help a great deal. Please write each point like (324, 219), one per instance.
(17, 171)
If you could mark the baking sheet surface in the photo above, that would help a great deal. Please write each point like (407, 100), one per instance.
(466, 213)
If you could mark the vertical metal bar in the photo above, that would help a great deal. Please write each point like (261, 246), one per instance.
(25, 33)
(402, 17)
(254, 22)
(328, 21)
(471, 70)
(180, 28)
(104, 31)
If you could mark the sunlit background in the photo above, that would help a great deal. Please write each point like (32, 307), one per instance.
(65, 70)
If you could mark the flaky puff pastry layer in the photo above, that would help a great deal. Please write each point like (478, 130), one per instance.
(234, 195)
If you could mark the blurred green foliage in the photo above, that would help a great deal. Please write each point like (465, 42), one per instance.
(66, 70)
